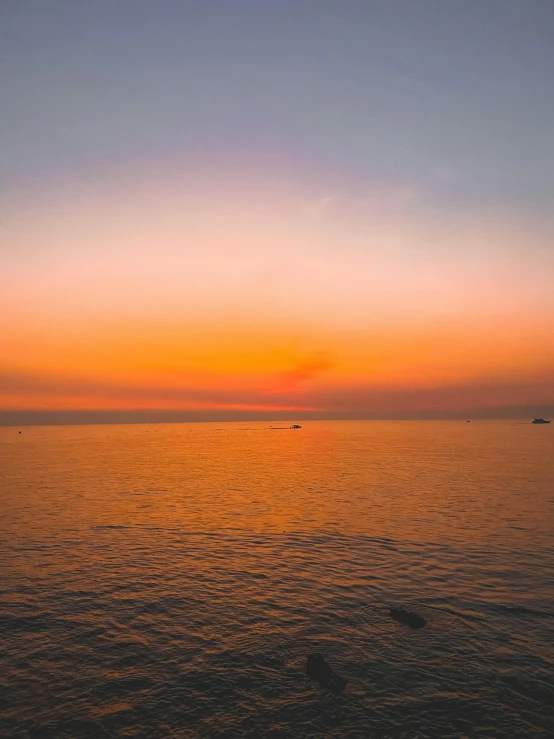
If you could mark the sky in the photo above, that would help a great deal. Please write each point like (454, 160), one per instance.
(271, 208)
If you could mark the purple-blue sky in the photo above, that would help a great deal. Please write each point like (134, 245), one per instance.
(391, 88)
(354, 194)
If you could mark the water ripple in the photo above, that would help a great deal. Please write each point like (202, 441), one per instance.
(175, 621)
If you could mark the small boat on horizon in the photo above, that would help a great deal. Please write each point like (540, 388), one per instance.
(539, 420)
(285, 428)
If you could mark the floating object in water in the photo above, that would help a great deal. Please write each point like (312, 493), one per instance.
(20, 432)
(295, 426)
(319, 669)
(539, 420)
(408, 618)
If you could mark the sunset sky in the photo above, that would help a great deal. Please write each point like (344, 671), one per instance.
(318, 207)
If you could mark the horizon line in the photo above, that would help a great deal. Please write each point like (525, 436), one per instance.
(88, 417)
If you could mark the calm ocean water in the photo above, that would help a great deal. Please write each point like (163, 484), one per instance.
(170, 580)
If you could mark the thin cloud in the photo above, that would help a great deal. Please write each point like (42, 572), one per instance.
(294, 390)
(293, 380)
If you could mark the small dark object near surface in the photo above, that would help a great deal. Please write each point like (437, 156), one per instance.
(319, 669)
(408, 618)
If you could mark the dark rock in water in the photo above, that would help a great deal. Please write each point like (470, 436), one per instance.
(318, 669)
(408, 618)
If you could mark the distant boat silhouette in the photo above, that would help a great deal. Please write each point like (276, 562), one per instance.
(295, 426)
(539, 420)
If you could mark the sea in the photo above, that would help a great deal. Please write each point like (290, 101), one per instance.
(170, 580)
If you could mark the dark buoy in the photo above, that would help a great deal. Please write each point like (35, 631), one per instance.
(408, 618)
(318, 669)
(19, 432)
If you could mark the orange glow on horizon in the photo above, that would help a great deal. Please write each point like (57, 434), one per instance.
(209, 298)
